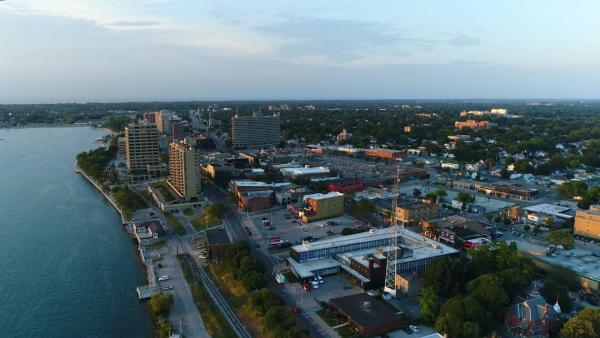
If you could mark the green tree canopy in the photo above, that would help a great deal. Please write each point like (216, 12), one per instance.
(586, 324)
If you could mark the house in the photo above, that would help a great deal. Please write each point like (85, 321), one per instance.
(531, 317)
(218, 242)
(450, 165)
(148, 232)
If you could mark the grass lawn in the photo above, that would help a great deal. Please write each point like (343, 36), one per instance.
(189, 212)
(157, 245)
(175, 224)
(163, 187)
(329, 317)
(215, 322)
(347, 332)
(205, 222)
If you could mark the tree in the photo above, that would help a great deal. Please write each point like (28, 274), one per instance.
(563, 238)
(463, 317)
(441, 193)
(160, 304)
(446, 276)
(416, 192)
(488, 290)
(527, 227)
(465, 198)
(571, 189)
(432, 197)
(429, 303)
(586, 324)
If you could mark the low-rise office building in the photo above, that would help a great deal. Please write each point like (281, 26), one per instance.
(322, 206)
(305, 172)
(251, 201)
(587, 222)
(367, 315)
(408, 212)
(363, 256)
(476, 125)
(454, 230)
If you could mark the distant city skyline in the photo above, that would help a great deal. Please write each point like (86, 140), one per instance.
(155, 50)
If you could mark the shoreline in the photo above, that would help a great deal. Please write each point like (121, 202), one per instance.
(106, 196)
(139, 252)
(53, 125)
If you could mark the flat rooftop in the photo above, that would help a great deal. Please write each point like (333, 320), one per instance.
(248, 183)
(580, 261)
(305, 171)
(550, 209)
(323, 196)
(217, 236)
(422, 246)
(369, 313)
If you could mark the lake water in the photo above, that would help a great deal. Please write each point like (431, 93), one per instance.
(67, 267)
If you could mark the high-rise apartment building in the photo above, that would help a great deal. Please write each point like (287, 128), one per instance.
(150, 117)
(176, 130)
(255, 131)
(141, 146)
(184, 170)
(163, 123)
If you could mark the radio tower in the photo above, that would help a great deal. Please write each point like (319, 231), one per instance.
(390, 269)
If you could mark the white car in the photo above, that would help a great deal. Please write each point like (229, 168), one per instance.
(203, 255)
(320, 279)
(163, 278)
(414, 328)
(315, 285)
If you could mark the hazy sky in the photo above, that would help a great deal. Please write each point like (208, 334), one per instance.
(116, 50)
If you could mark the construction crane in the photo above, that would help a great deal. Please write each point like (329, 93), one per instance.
(390, 269)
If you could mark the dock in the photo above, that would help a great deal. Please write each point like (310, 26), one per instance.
(146, 291)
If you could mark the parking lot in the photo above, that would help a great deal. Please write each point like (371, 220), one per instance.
(289, 229)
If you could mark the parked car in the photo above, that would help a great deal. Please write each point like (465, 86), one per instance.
(414, 328)
(320, 279)
(163, 278)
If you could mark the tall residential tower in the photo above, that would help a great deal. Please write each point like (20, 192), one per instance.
(141, 146)
(255, 131)
(184, 170)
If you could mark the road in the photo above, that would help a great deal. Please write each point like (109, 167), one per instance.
(182, 246)
(236, 230)
(184, 310)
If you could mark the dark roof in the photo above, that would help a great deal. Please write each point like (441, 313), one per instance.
(217, 236)
(533, 309)
(462, 232)
(370, 315)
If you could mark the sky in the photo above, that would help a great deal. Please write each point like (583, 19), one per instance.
(142, 50)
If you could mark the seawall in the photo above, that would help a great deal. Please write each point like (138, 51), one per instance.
(108, 197)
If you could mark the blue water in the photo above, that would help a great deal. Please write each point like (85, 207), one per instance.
(67, 267)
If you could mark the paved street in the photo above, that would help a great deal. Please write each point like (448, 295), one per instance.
(184, 309)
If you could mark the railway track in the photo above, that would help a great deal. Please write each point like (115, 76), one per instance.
(217, 298)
